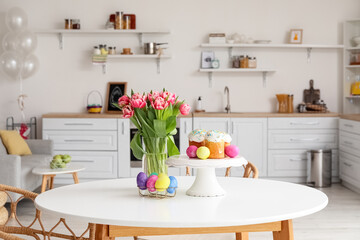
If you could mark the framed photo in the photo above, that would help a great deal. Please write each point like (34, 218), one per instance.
(296, 36)
(114, 91)
(206, 59)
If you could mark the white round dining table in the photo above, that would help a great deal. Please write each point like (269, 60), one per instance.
(117, 205)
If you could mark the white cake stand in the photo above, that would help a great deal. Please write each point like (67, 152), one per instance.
(205, 184)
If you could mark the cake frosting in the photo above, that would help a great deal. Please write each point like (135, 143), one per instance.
(227, 138)
(197, 135)
(215, 136)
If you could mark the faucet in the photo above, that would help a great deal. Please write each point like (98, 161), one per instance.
(227, 92)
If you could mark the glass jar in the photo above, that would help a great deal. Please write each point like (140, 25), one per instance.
(127, 22)
(236, 62)
(111, 50)
(96, 51)
(68, 23)
(76, 23)
(119, 23)
(252, 62)
(242, 62)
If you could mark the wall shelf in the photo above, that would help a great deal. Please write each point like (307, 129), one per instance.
(62, 32)
(135, 56)
(210, 72)
(352, 99)
(352, 66)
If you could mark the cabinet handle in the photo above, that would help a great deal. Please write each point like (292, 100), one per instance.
(78, 140)
(298, 160)
(304, 139)
(82, 161)
(78, 124)
(348, 125)
(347, 164)
(348, 143)
(232, 127)
(304, 123)
(123, 128)
(185, 127)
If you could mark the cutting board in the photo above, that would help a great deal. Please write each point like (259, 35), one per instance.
(311, 95)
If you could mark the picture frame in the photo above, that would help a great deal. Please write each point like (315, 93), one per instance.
(296, 36)
(206, 59)
(114, 91)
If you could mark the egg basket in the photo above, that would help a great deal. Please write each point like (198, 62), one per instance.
(157, 194)
(94, 108)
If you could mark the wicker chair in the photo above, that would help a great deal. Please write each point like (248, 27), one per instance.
(6, 230)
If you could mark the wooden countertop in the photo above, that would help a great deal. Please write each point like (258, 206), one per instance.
(263, 115)
(204, 114)
(354, 117)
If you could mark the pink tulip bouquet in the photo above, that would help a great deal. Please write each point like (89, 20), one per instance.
(154, 114)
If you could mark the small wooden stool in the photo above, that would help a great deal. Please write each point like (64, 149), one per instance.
(49, 174)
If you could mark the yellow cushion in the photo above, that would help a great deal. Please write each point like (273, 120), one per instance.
(14, 143)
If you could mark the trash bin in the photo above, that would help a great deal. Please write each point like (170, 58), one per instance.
(319, 168)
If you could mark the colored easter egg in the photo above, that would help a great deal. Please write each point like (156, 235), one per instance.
(154, 173)
(141, 180)
(162, 183)
(232, 151)
(151, 183)
(203, 153)
(191, 151)
(173, 184)
(162, 175)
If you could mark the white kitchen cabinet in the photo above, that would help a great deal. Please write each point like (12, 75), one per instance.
(289, 139)
(211, 123)
(250, 135)
(185, 129)
(123, 148)
(349, 144)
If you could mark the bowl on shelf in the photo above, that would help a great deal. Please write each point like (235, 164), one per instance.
(356, 41)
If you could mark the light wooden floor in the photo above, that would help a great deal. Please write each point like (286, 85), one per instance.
(340, 220)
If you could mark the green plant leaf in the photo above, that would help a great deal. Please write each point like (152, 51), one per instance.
(151, 115)
(135, 122)
(148, 130)
(136, 146)
(116, 105)
(160, 127)
(172, 149)
(170, 124)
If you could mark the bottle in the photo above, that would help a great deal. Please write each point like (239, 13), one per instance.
(96, 51)
(242, 61)
(290, 103)
(246, 61)
(199, 104)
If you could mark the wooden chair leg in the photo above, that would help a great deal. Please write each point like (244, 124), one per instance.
(286, 232)
(102, 232)
(135, 238)
(76, 179)
(44, 183)
(242, 236)
(52, 182)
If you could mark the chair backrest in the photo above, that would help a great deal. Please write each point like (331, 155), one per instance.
(249, 171)
(31, 230)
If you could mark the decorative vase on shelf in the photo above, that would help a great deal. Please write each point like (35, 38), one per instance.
(154, 115)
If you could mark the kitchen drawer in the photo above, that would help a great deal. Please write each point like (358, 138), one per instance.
(79, 124)
(303, 123)
(97, 164)
(349, 126)
(303, 139)
(350, 168)
(349, 143)
(82, 140)
(293, 163)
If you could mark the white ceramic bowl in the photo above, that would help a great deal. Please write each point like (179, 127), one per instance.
(356, 40)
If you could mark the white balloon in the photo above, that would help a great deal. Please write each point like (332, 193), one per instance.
(10, 41)
(16, 19)
(11, 64)
(27, 42)
(30, 66)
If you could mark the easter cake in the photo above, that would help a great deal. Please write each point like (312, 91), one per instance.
(197, 138)
(214, 141)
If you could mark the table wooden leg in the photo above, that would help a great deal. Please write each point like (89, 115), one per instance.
(52, 181)
(242, 236)
(44, 183)
(75, 176)
(286, 232)
(102, 232)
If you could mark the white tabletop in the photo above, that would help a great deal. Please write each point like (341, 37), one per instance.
(248, 201)
(185, 161)
(46, 170)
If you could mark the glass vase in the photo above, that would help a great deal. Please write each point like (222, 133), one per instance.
(155, 156)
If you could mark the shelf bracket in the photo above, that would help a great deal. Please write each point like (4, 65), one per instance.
(211, 82)
(158, 65)
(230, 52)
(309, 55)
(264, 79)
(104, 68)
(61, 41)
(141, 40)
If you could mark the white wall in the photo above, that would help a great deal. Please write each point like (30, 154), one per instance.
(66, 77)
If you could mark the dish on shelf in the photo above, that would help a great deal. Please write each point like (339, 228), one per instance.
(262, 41)
(356, 41)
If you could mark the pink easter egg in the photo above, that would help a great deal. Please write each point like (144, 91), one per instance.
(191, 151)
(232, 151)
(150, 184)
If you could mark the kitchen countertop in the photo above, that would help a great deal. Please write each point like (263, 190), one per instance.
(354, 117)
(209, 114)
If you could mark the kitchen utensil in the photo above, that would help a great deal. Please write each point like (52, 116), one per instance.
(126, 51)
(311, 95)
(151, 47)
(283, 102)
